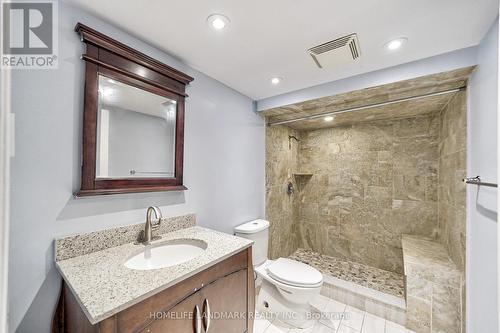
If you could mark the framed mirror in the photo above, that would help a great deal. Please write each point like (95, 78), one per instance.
(133, 131)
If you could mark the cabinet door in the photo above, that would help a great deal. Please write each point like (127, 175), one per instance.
(227, 300)
(179, 319)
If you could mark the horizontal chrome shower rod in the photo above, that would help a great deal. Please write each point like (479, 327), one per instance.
(360, 108)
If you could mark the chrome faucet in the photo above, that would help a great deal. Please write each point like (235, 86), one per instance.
(146, 235)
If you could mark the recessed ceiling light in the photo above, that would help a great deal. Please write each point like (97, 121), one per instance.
(276, 80)
(218, 21)
(329, 118)
(396, 43)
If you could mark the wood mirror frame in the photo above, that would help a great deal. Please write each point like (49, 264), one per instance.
(113, 59)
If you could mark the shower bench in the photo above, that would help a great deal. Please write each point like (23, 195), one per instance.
(433, 286)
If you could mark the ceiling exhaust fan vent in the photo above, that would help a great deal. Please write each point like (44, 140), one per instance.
(335, 52)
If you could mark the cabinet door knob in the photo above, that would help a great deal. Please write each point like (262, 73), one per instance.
(206, 314)
(197, 319)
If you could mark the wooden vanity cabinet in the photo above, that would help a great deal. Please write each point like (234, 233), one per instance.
(223, 292)
(182, 318)
(231, 303)
(220, 306)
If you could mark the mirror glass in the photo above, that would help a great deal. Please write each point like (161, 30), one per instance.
(135, 132)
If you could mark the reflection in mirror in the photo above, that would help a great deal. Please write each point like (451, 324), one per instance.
(135, 132)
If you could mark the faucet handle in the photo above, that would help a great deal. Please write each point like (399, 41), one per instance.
(140, 237)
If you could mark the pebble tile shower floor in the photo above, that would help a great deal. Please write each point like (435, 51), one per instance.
(366, 276)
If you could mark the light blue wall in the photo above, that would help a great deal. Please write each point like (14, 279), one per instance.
(441, 63)
(224, 167)
(482, 232)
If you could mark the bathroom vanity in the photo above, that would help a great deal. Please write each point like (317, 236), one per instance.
(182, 279)
(211, 292)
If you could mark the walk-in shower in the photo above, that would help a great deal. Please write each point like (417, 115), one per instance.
(376, 185)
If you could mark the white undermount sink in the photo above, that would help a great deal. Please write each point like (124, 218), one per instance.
(166, 254)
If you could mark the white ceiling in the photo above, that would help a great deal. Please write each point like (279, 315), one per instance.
(269, 38)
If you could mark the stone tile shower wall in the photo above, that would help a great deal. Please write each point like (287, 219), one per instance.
(281, 208)
(371, 183)
(452, 192)
(452, 166)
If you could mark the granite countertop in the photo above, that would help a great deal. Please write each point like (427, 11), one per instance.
(104, 286)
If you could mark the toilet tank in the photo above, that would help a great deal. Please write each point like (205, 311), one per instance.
(258, 231)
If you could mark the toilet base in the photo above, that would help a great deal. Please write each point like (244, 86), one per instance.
(271, 303)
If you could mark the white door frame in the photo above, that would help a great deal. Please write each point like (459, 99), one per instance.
(5, 147)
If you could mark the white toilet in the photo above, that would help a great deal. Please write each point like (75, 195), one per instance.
(288, 285)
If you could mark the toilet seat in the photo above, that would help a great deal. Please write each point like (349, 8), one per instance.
(294, 273)
(287, 288)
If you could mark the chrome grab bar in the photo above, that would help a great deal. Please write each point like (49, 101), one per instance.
(477, 181)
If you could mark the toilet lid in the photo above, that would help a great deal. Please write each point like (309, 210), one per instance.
(294, 273)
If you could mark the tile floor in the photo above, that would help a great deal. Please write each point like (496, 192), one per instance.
(367, 276)
(346, 320)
